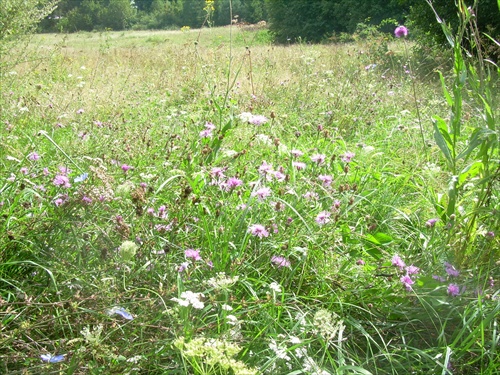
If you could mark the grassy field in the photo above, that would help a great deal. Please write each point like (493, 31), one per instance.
(205, 202)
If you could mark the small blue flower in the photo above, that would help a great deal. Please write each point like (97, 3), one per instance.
(52, 358)
(120, 311)
(82, 177)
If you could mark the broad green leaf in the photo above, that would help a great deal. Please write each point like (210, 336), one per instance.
(442, 138)
(477, 138)
(470, 171)
(383, 238)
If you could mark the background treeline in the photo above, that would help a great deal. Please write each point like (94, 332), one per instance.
(88, 15)
(289, 20)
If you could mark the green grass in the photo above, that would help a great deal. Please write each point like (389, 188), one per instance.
(97, 102)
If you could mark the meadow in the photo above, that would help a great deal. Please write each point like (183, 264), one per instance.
(206, 202)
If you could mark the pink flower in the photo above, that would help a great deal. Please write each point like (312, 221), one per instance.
(217, 173)
(86, 200)
(431, 223)
(233, 183)
(398, 262)
(360, 262)
(80, 111)
(265, 168)
(24, 170)
(61, 180)
(262, 193)
(347, 157)
(126, 168)
(192, 254)
(401, 31)
(450, 270)
(207, 133)
(325, 179)
(33, 156)
(280, 261)
(453, 290)
(318, 158)
(299, 165)
(407, 282)
(412, 270)
(323, 217)
(258, 230)
(258, 120)
(297, 153)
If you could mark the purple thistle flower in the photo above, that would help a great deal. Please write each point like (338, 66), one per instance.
(126, 168)
(431, 223)
(450, 270)
(280, 261)
(258, 230)
(265, 168)
(412, 270)
(233, 183)
(262, 193)
(318, 158)
(184, 266)
(297, 153)
(299, 165)
(192, 254)
(347, 157)
(86, 200)
(206, 133)
(33, 156)
(401, 31)
(453, 290)
(441, 279)
(258, 120)
(325, 179)
(61, 180)
(323, 217)
(398, 262)
(407, 282)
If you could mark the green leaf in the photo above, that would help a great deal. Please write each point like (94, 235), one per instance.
(446, 93)
(470, 171)
(477, 138)
(383, 238)
(442, 138)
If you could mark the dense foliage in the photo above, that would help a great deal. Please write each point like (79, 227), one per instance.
(90, 15)
(316, 19)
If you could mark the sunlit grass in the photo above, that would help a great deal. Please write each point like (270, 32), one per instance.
(158, 229)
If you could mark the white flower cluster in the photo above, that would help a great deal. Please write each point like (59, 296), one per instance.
(328, 325)
(190, 298)
(221, 281)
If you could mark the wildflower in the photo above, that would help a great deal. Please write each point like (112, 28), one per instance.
(453, 290)
(193, 254)
(126, 168)
(221, 281)
(64, 170)
(33, 156)
(86, 200)
(280, 261)
(120, 311)
(52, 358)
(184, 266)
(162, 228)
(450, 270)
(398, 262)
(258, 120)
(61, 180)
(24, 170)
(325, 179)
(412, 270)
(439, 278)
(431, 223)
(58, 202)
(206, 133)
(407, 282)
(347, 157)
(190, 298)
(262, 193)
(318, 158)
(310, 195)
(360, 262)
(278, 175)
(401, 31)
(258, 230)
(217, 173)
(275, 287)
(323, 217)
(226, 307)
(265, 168)
(296, 153)
(299, 165)
(233, 183)
(245, 116)
(80, 111)
(128, 250)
